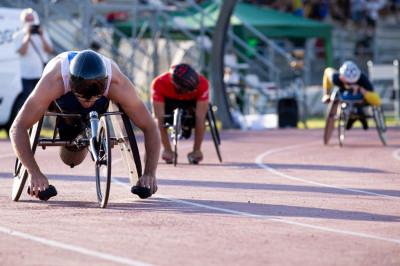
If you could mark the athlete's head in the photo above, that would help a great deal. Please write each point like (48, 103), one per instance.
(349, 72)
(184, 77)
(88, 75)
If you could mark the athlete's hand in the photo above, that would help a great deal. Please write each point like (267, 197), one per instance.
(326, 98)
(38, 183)
(148, 181)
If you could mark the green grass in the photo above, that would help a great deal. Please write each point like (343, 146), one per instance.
(45, 133)
(319, 122)
(312, 123)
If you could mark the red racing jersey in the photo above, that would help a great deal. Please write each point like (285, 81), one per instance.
(162, 87)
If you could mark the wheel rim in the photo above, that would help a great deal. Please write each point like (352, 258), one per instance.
(341, 127)
(177, 132)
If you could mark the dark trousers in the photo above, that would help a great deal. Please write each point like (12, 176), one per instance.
(28, 85)
(189, 107)
(70, 128)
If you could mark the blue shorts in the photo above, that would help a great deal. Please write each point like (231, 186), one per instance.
(348, 95)
(68, 128)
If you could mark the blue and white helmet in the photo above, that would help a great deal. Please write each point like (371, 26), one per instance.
(349, 72)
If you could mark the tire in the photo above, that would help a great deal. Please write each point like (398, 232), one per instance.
(20, 173)
(330, 120)
(380, 123)
(341, 127)
(103, 167)
(214, 131)
(176, 131)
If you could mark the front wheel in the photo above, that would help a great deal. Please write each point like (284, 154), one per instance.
(341, 127)
(103, 166)
(177, 132)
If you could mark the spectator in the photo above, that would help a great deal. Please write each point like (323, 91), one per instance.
(181, 87)
(395, 8)
(95, 46)
(33, 44)
(297, 8)
(357, 8)
(316, 9)
(340, 10)
(371, 10)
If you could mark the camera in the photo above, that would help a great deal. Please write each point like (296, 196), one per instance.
(35, 29)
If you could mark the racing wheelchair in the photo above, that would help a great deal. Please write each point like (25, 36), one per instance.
(340, 111)
(182, 121)
(97, 138)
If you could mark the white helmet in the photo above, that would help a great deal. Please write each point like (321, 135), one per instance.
(350, 72)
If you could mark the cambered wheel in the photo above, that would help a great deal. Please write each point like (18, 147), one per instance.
(214, 131)
(125, 136)
(380, 123)
(103, 166)
(330, 120)
(20, 173)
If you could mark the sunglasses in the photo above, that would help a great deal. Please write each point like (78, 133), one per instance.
(87, 100)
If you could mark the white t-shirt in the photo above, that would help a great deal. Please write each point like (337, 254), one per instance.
(31, 63)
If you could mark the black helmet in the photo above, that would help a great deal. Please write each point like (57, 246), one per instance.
(184, 77)
(88, 74)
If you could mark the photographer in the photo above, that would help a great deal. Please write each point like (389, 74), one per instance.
(33, 45)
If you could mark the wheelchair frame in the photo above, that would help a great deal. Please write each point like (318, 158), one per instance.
(100, 142)
(342, 110)
(179, 115)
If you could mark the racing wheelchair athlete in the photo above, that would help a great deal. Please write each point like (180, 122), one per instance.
(84, 86)
(352, 99)
(181, 88)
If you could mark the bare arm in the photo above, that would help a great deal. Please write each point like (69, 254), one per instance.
(47, 46)
(25, 42)
(201, 112)
(123, 92)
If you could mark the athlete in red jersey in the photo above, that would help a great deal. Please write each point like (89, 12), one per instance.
(181, 87)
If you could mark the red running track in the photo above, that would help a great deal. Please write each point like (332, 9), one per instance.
(279, 198)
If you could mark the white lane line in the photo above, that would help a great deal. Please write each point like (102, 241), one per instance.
(83, 251)
(259, 162)
(396, 154)
(321, 228)
(263, 217)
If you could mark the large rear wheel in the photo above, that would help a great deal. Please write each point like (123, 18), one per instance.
(20, 173)
(380, 123)
(103, 166)
(125, 136)
(330, 120)
(214, 131)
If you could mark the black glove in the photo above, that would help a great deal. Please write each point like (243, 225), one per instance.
(142, 192)
(47, 194)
